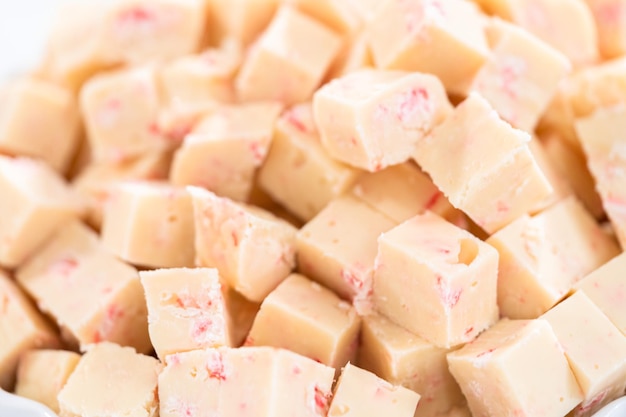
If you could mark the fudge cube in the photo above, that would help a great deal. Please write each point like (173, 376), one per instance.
(611, 24)
(338, 15)
(223, 152)
(490, 173)
(150, 224)
(371, 119)
(21, 328)
(516, 367)
(36, 202)
(440, 37)
(355, 55)
(361, 393)
(606, 287)
(289, 60)
(336, 250)
(559, 183)
(520, 76)
(190, 309)
(436, 280)
(120, 111)
(252, 249)
(316, 323)
(242, 20)
(111, 380)
(595, 349)
(90, 294)
(542, 257)
(226, 382)
(403, 358)
(297, 161)
(43, 373)
(40, 120)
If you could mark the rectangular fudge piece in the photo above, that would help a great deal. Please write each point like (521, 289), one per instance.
(611, 24)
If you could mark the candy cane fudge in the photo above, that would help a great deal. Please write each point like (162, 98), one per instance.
(316, 323)
(372, 119)
(89, 293)
(436, 280)
(226, 382)
(22, 327)
(493, 188)
(297, 161)
(335, 14)
(611, 24)
(42, 374)
(36, 202)
(252, 249)
(502, 371)
(223, 152)
(560, 185)
(355, 55)
(361, 393)
(150, 224)
(111, 380)
(595, 349)
(242, 20)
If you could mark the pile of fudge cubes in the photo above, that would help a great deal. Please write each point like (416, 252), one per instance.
(318, 208)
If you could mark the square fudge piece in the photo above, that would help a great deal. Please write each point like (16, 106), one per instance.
(92, 296)
(190, 309)
(289, 60)
(315, 322)
(371, 119)
(360, 393)
(252, 249)
(490, 173)
(606, 287)
(223, 152)
(21, 328)
(226, 382)
(114, 381)
(39, 119)
(595, 349)
(611, 24)
(520, 76)
(336, 250)
(436, 280)
(516, 367)
(297, 161)
(560, 183)
(403, 358)
(542, 257)
(36, 202)
(150, 224)
(242, 20)
(43, 373)
(442, 37)
(341, 16)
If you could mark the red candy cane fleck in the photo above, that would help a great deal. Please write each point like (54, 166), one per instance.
(321, 401)
(215, 367)
(64, 266)
(449, 297)
(433, 200)
(416, 100)
(293, 120)
(135, 16)
(487, 352)
(257, 151)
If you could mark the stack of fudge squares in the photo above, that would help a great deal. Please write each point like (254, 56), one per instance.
(277, 208)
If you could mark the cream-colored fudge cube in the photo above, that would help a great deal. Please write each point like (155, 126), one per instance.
(39, 120)
(441, 37)
(490, 173)
(606, 287)
(374, 118)
(436, 280)
(595, 349)
(355, 55)
(226, 382)
(336, 249)
(114, 381)
(36, 202)
(339, 15)
(360, 393)
(43, 373)
(559, 183)
(150, 224)
(297, 161)
(120, 111)
(315, 322)
(21, 328)
(401, 192)
(252, 249)
(289, 60)
(516, 368)
(610, 18)
(243, 20)
(91, 295)
(224, 150)
(403, 358)
(521, 75)
(543, 256)
(190, 309)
